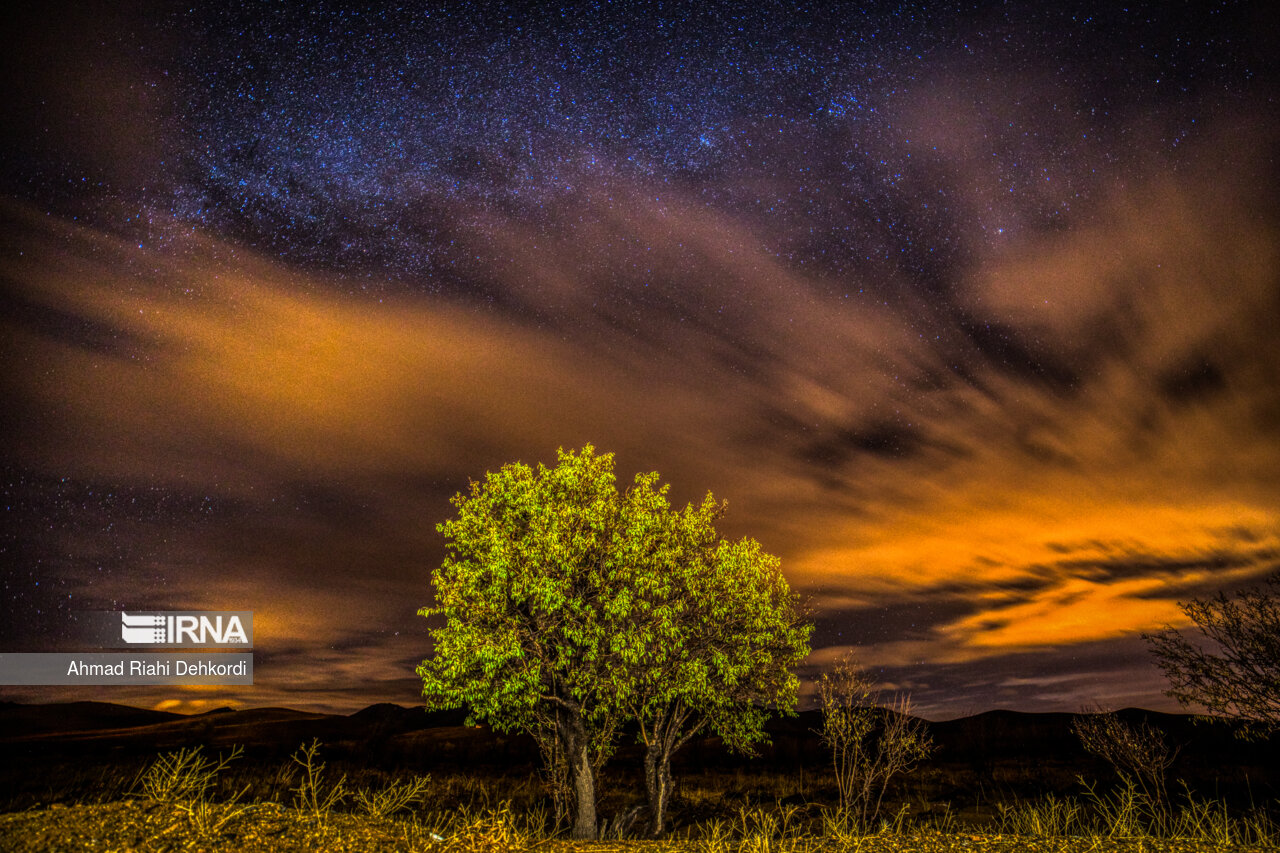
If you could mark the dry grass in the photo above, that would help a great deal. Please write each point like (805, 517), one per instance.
(192, 802)
(145, 826)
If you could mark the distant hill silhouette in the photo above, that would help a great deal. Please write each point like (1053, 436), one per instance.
(992, 751)
(66, 717)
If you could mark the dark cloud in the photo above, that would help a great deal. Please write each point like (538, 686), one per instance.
(875, 439)
(65, 326)
(888, 620)
(1112, 674)
(1195, 380)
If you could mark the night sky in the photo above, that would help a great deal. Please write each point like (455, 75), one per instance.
(970, 311)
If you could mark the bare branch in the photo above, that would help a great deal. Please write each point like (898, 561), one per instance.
(1240, 676)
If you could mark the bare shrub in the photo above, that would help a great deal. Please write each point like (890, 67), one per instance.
(394, 797)
(871, 742)
(1237, 674)
(186, 779)
(308, 797)
(184, 776)
(1139, 755)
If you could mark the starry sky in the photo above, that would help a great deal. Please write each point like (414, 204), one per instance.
(969, 310)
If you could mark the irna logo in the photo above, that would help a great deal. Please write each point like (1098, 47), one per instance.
(184, 629)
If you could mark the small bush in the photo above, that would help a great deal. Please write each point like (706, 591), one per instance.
(307, 797)
(392, 798)
(185, 779)
(184, 776)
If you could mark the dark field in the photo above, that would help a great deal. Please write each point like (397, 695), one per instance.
(84, 776)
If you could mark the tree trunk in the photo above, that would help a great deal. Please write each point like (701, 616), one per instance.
(573, 733)
(666, 739)
(657, 783)
(584, 789)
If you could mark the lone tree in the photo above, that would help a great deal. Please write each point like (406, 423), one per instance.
(525, 588)
(571, 608)
(720, 632)
(1241, 679)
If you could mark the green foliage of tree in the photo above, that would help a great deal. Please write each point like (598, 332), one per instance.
(570, 607)
(1238, 675)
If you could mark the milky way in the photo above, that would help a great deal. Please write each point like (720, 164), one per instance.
(964, 307)
(347, 140)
